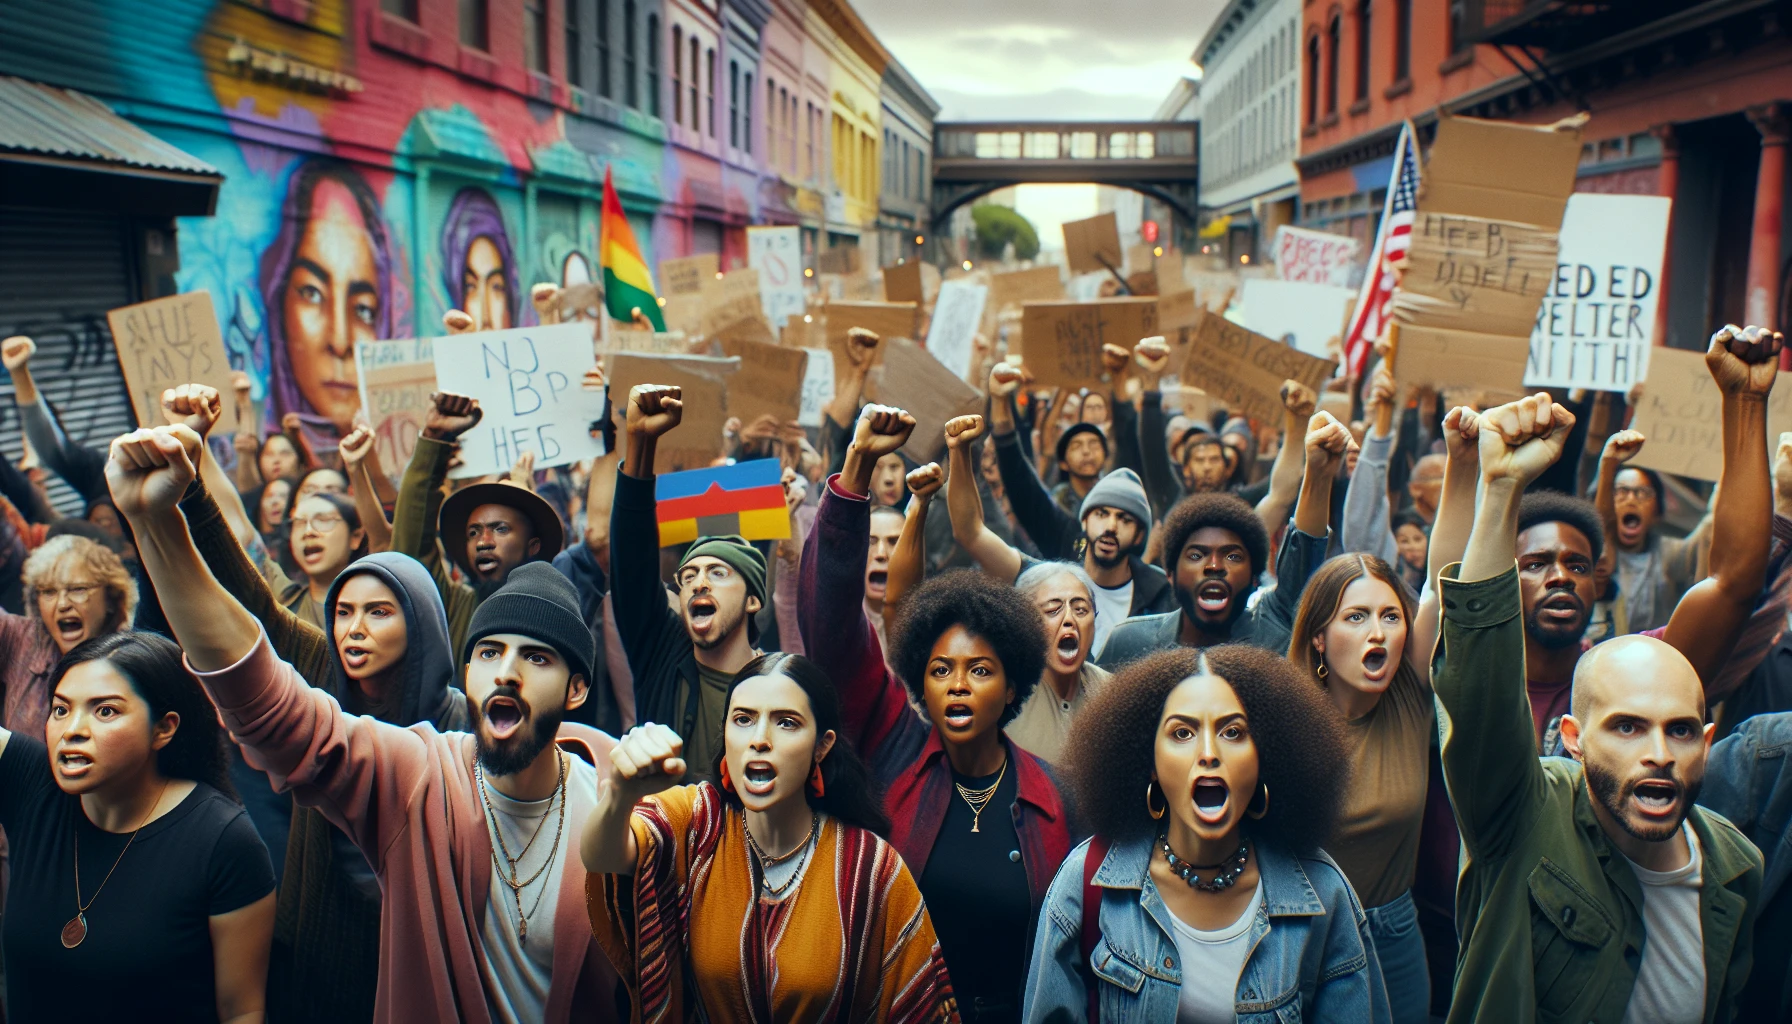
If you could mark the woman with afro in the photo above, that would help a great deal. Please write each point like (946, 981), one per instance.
(1211, 780)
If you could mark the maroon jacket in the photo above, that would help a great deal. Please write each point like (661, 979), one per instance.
(900, 744)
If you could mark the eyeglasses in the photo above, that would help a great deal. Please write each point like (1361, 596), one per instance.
(716, 574)
(76, 595)
(323, 522)
(1633, 493)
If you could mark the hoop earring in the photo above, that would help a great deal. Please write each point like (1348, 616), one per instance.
(1156, 815)
(1321, 671)
(1252, 809)
(727, 783)
(817, 785)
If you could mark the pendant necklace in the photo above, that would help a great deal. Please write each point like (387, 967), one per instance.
(1226, 873)
(980, 798)
(509, 877)
(75, 931)
(765, 861)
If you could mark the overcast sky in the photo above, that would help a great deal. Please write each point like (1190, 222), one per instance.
(1037, 59)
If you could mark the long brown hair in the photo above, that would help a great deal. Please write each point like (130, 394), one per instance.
(1319, 603)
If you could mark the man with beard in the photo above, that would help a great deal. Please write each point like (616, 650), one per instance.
(429, 810)
(1216, 548)
(1592, 888)
(683, 648)
(487, 529)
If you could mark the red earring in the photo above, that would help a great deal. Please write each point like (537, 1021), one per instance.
(817, 786)
(727, 783)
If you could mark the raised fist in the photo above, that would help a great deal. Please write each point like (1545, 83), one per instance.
(450, 415)
(239, 383)
(1462, 432)
(861, 346)
(1298, 399)
(522, 474)
(291, 423)
(356, 446)
(1745, 360)
(546, 299)
(149, 470)
(925, 481)
(594, 379)
(195, 406)
(1327, 441)
(962, 430)
(1153, 356)
(654, 409)
(881, 430)
(648, 759)
(1005, 379)
(1622, 446)
(1519, 440)
(1114, 359)
(457, 322)
(17, 351)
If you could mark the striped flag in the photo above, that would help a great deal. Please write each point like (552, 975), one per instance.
(1374, 306)
(627, 284)
(746, 498)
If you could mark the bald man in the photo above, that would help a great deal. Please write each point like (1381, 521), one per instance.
(1594, 888)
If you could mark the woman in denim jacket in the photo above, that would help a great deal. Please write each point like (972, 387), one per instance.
(1210, 779)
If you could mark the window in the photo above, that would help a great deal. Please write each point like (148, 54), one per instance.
(709, 66)
(1313, 80)
(406, 9)
(677, 74)
(631, 70)
(535, 35)
(574, 73)
(1362, 49)
(1402, 40)
(746, 113)
(773, 114)
(734, 103)
(809, 128)
(1458, 12)
(653, 64)
(696, 120)
(603, 48)
(1334, 45)
(475, 32)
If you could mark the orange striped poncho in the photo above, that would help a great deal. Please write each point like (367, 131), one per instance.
(852, 942)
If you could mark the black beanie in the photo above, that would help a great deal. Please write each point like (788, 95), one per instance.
(538, 602)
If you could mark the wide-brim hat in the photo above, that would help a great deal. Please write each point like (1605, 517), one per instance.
(452, 525)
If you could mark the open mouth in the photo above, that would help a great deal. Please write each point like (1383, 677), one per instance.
(355, 657)
(1561, 607)
(877, 579)
(1211, 796)
(1070, 643)
(1375, 663)
(73, 765)
(1656, 798)
(504, 715)
(310, 552)
(759, 778)
(1214, 597)
(1107, 544)
(959, 717)
(70, 627)
(701, 612)
(485, 564)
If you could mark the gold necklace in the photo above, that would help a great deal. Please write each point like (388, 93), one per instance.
(75, 931)
(516, 887)
(980, 798)
(776, 891)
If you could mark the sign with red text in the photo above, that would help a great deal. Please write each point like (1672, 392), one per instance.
(1314, 257)
(1597, 322)
(777, 253)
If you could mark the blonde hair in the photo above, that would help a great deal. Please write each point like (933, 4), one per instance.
(41, 570)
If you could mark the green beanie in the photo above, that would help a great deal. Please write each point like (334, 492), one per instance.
(740, 555)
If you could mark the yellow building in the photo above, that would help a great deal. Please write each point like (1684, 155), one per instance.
(856, 65)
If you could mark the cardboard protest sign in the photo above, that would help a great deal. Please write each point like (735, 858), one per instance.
(1314, 257)
(1305, 315)
(885, 319)
(1246, 369)
(1597, 322)
(1039, 284)
(697, 441)
(952, 334)
(730, 299)
(1093, 244)
(396, 379)
(527, 382)
(1681, 415)
(902, 283)
(1061, 341)
(1143, 282)
(912, 379)
(1140, 257)
(1483, 250)
(746, 498)
(164, 343)
(818, 386)
(687, 276)
(1176, 309)
(768, 383)
(777, 253)
(683, 313)
(840, 259)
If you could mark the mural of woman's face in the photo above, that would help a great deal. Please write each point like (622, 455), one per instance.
(484, 287)
(332, 303)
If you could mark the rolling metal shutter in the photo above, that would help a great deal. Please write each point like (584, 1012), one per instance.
(60, 271)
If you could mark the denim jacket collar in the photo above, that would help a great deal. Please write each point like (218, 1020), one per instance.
(1287, 891)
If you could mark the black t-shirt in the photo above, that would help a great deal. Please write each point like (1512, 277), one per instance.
(976, 891)
(148, 951)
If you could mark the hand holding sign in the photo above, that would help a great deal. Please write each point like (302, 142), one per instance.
(194, 406)
(1745, 360)
(450, 415)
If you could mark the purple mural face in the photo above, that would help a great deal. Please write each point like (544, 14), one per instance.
(327, 282)
(478, 269)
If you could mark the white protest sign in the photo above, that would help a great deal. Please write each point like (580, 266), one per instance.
(396, 379)
(1597, 321)
(1301, 314)
(527, 382)
(956, 317)
(818, 386)
(1314, 257)
(777, 253)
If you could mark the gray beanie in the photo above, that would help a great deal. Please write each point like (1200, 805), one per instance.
(1120, 489)
(538, 602)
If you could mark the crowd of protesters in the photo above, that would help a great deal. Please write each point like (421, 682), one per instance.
(1399, 709)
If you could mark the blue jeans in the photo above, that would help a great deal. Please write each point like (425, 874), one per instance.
(1401, 948)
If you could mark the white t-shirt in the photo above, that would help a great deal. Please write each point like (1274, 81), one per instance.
(518, 972)
(1670, 982)
(1112, 606)
(1211, 963)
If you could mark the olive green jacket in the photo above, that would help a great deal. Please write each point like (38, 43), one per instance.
(414, 519)
(1549, 914)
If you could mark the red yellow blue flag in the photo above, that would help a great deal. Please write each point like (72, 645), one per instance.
(746, 498)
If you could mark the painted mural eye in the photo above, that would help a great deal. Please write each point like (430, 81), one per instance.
(310, 293)
(366, 312)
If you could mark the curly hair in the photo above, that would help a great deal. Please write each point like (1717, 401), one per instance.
(1540, 507)
(1226, 511)
(998, 614)
(49, 565)
(1298, 734)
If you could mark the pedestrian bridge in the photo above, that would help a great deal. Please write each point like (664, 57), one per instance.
(974, 158)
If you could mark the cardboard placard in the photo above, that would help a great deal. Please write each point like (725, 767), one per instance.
(885, 319)
(1093, 244)
(768, 383)
(396, 379)
(1461, 359)
(683, 313)
(527, 382)
(164, 343)
(840, 259)
(663, 342)
(1305, 315)
(952, 333)
(902, 283)
(1142, 282)
(1039, 284)
(1176, 309)
(1597, 322)
(777, 254)
(1314, 257)
(818, 386)
(1061, 341)
(1681, 415)
(1246, 369)
(730, 300)
(697, 440)
(689, 275)
(912, 379)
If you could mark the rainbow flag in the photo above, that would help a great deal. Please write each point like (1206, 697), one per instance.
(627, 284)
(746, 498)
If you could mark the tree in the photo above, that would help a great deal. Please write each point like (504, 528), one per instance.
(997, 226)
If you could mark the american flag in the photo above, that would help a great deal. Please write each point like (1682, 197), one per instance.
(1374, 306)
